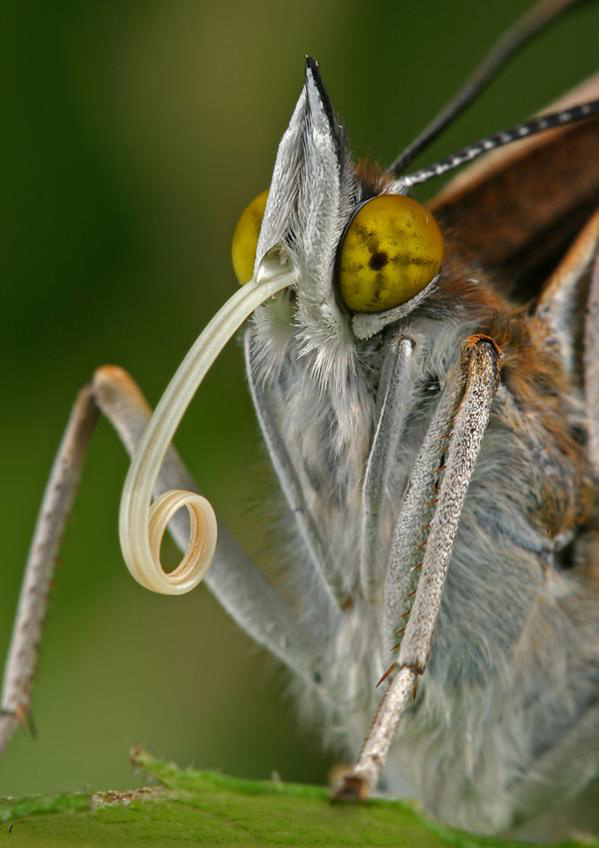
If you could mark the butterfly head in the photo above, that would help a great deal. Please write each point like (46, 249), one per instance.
(361, 251)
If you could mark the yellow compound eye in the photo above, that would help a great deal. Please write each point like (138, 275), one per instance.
(392, 249)
(245, 238)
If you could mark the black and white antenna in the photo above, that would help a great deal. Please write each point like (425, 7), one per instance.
(532, 22)
(473, 151)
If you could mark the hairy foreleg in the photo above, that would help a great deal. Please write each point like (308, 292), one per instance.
(394, 405)
(481, 368)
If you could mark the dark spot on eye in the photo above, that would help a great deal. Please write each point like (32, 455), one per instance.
(378, 260)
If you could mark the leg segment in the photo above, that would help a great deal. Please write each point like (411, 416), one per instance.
(465, 442)
(332, 593)
(480, 371)
(233, 578)
(417, 509)
(54, 510)
(391, 424)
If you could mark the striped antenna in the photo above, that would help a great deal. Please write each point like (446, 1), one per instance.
(473, 151)
(532, 22)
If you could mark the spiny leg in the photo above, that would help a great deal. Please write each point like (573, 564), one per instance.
(235, 581)
(55, 507)
(481, 368)
(395, 386)
(332, 592)
(417, 508)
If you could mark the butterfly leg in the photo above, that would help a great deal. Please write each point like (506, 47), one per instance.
(471, 394)
(235, 581)
(393, 404)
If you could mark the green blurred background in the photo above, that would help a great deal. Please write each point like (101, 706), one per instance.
(133, 135)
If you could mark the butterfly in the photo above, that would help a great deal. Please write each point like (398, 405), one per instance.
(426, 385)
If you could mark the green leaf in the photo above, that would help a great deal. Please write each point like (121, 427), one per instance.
(188, 808)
